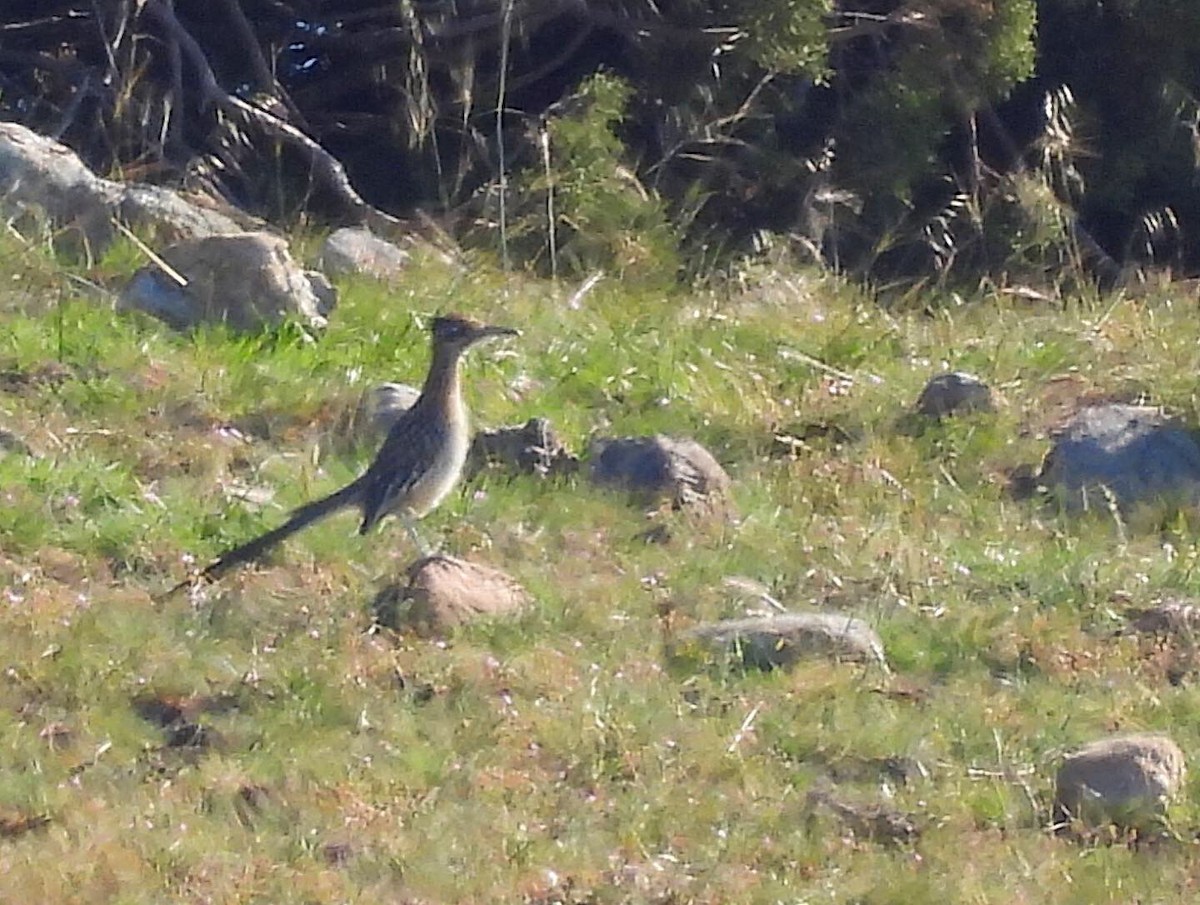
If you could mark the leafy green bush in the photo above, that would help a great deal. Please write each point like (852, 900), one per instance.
(587, 210)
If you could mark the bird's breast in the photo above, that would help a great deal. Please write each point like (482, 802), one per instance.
(445, 467)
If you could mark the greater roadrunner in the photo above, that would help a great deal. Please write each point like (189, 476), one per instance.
(419, 463)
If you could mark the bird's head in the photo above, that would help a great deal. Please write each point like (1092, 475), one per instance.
(455, 331)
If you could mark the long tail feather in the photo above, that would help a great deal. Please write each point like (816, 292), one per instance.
(301, 518)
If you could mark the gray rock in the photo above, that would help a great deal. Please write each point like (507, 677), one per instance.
(247, 280)
(11, 443)
(1172, 616)
(356, 250)
(379, 408)
(680, 469)
(530, 448)
(45, 180)
(1133, 454)
(443, 592)
(956, 393)
(174, 216)
(779, 641)
(870, 820)
(1126, 779)
(325, 291)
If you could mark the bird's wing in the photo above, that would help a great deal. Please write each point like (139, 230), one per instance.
(411, 447)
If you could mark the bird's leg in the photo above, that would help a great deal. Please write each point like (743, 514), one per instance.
(410, 525)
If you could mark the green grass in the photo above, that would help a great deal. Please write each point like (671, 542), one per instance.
(562, 756)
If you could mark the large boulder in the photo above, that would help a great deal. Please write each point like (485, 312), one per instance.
(1122, 454)
(46, 180)
(1124, 779)
(246, 280)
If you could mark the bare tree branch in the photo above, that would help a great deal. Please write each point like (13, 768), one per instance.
(327, 171)
(258, 63)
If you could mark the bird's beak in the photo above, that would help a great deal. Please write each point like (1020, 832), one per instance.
(493, 330)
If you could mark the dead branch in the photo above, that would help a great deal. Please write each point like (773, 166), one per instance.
(326, 170)
(267, 81)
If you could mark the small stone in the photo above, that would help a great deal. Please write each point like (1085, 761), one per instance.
(955, 393)
(1166, 617)
(874, 821)
(1124, 779)
(355, 249)
(531, 448)
(380, 407)
(11, 443)
(680, 469)
(779, 641)
(443, 592)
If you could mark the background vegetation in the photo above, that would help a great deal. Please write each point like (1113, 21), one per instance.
(891, 138)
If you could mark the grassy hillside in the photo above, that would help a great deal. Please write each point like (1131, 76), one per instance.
(562, 757)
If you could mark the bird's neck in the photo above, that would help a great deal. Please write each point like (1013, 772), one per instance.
(443, 385)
